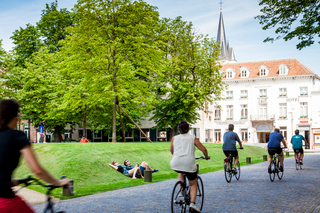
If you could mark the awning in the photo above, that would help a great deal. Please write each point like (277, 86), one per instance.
(263, 128)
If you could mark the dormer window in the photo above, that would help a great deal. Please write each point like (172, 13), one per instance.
(283, 69)
(263, 71)
(230, 73)
(245, 72)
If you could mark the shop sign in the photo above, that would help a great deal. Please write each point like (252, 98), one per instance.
(304, 122)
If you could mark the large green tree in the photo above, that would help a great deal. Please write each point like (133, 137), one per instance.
(292, 19)
(191, 75)
(52, 25)
(113, 48)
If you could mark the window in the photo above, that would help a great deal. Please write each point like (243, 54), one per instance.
(229, 112)
(283, 131)
(244, 111)
(283, 69)
(283, 92)
(303, 90)
(162, 135)
(263, 111)
(196, 132)
(244, 94)
(229, 74)
(217, 113)
(263, 93)
(244, 74)
(209, 135)
(217, 135)
(244, 135)
(283, 111)
(229, 94)
(263, 72)
(147, 133)
(303, 110)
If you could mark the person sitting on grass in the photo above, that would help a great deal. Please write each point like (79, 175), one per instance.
(127, 172)
(144, 166)
(84, 140)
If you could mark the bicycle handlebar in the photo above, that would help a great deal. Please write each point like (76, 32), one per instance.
(29, 180)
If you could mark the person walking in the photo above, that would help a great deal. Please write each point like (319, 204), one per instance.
(14, 143)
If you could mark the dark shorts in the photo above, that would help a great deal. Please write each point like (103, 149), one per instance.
(273, 150)
(232, 153)
(298, 150)
(190, 176)
(142, 170)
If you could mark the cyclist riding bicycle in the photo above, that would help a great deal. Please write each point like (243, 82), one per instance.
(14, 143)
(296, 142)
(275, 138)
(230, 139)
(182, 148)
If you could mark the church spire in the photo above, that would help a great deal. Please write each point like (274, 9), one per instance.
(227, 53)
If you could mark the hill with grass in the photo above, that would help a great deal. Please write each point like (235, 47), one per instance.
(88, 163)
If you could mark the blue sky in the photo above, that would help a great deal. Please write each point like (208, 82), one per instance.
(244, 33)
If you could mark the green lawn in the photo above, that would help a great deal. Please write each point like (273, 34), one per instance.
(87, 164)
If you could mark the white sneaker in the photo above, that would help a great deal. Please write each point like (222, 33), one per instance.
(181, 194)
(194, 207)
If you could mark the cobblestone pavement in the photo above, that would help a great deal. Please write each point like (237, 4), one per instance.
(298, 191)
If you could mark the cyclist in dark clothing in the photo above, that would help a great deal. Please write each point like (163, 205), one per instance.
(14, 143)
(230, 139)
(275, 139)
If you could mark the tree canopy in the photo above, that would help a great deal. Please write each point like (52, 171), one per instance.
(292, 19)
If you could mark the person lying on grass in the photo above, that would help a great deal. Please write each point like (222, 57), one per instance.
(144, 166)
(127, 172)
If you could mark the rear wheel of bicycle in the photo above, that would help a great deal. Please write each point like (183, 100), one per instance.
(227, 174)
(279, 173)
(200, 194)
(178, 203)
(273, 171)
(297, 164)
(238, 171)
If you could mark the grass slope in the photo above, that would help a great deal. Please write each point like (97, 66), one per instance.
(87, 164)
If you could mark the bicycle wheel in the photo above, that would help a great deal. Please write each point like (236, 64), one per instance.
(200, 193)
(238, 171)
(297, 163)
(177, 203)
(279, 173)
(227, 174)
(273, 171)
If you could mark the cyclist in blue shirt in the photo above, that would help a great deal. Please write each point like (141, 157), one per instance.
(296, 141)
(230, 139)
(275, 139)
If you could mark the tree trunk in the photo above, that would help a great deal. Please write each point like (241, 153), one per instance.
(124, 136)
(173, 132)
(57, 135)
(114, 121)
(84, 126)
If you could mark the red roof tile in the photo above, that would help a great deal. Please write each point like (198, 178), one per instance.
(295, 68)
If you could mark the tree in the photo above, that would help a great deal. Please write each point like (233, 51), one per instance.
(191, 76)
(27, 41)
(52, 25)
(113, 47)
(287, 14)
(42, 92)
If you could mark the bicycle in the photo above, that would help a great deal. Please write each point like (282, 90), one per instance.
(298, 163)
(33, 181)
(180, 199)
(275, 168)
(228, 173)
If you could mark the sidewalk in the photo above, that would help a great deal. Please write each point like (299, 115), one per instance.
(31, 197)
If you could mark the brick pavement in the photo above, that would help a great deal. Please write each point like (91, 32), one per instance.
(298, 191)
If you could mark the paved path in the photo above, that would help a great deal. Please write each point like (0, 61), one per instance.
(298, 191)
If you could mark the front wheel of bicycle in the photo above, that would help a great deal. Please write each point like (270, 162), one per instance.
(178, 203)
(279, 173)
(200, 193)
(273, 171)
(238, 171)
(227, 173)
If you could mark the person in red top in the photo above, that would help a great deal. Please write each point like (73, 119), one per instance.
(84, 140)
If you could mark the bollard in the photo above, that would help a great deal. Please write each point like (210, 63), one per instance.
(148, 176)
(248, 160)
(265, 157)
(68, 189)
(287, 154)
